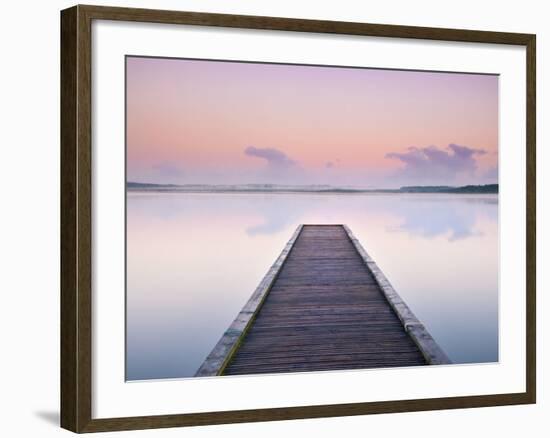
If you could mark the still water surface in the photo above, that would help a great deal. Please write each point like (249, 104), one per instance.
(193, 260)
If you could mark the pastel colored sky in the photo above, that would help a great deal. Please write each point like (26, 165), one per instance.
(215, 122)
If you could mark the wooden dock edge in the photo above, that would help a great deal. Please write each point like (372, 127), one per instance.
(431, 351)
(222, 353)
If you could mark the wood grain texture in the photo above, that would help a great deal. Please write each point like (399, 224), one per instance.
(303, 25)
(76, 221)
(531, 219)
(69, 312)
(325, 311)
(76, 155)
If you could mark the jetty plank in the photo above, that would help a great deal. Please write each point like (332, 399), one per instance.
(324, 311)
(323, 305)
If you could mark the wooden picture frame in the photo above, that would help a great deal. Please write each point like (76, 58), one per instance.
(76, 217)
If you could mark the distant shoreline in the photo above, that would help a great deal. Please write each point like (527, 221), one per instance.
(269, 188)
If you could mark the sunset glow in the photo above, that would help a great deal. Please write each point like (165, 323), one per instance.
(211, 122)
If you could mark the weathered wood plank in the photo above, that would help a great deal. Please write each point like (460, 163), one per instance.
(326, 310)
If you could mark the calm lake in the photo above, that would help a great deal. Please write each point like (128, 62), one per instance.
(193, 260)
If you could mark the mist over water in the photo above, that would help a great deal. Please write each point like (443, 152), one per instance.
(193, 260)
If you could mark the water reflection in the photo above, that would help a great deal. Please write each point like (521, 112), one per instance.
(194, 259)
(435, 217)
(274, 220)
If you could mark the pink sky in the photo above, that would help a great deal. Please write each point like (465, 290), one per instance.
(218, 122)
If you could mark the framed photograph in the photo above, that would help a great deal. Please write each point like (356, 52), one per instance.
(271, 218)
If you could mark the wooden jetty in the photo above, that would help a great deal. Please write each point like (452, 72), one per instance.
(323, 305)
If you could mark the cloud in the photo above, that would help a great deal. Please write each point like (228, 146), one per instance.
(433, 163)
(168, 170)
(276, 159)
(492, 174)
